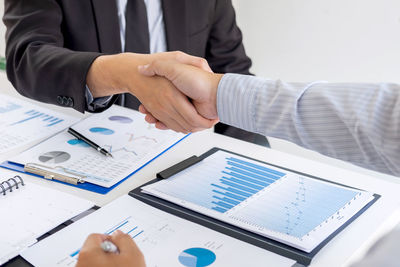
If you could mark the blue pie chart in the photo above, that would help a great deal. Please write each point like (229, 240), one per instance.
(77, 142)
(120, 119)
(100, 130)
(197, 257)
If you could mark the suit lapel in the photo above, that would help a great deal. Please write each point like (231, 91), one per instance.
(106, 17)
(175, 13)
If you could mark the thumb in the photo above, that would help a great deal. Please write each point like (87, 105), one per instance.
(124, 242)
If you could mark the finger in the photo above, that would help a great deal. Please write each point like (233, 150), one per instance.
(193, 60)
(183, 113)
(150, 119)
(124, 242)
(161, 126)
(169, 115)
(142, 109)
(171, 119)
(93, 241)
(189, 113)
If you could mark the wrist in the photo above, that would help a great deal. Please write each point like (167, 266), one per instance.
(215, 80)
(101, 79)
(124, 72)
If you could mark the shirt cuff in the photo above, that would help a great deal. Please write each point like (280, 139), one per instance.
(236, 101)
(96, 103)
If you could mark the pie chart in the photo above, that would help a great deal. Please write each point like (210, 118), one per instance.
(100, 130)
(77, 142)
(120, 119)
(54, 157)
(196, 257)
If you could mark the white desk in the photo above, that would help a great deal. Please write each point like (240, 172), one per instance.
(344, 248)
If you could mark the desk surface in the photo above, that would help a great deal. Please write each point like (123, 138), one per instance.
(343, 249)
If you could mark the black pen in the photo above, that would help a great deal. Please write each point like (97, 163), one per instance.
(90, 143)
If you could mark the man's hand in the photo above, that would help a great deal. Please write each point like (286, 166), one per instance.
(119, 74)
(199, 85)
(92, 254)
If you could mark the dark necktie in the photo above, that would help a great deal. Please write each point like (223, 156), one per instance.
(137, 38)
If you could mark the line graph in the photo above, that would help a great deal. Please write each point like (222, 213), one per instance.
(132, 138)
(123, 149)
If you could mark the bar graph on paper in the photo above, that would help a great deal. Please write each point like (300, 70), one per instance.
(270, 201)
(128, 226)
(38, 117)
(22, 122)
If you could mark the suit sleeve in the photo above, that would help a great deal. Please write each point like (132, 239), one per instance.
(38, 65)
(225, 51)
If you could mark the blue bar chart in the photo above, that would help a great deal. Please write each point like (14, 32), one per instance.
(127, 226)
(33, 114)
(239, 180)
(22, 122)
(8, 106)
(221, 187)
(262, 198)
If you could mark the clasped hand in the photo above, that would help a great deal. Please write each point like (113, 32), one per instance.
(192, 78)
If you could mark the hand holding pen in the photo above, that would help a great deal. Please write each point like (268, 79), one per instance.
(93, 254)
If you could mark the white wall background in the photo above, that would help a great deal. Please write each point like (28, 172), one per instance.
(305, 40)
(340, 40)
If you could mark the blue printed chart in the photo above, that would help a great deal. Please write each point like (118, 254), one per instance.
(22, 123)
(128, 226)
(41, 117)
(164, 240)
(197, 257)
(277, 203)
(121, 131)
(8, 107)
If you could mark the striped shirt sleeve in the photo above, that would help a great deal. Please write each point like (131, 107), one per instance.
(355, 122)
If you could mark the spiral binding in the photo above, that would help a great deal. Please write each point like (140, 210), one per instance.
(9, 184)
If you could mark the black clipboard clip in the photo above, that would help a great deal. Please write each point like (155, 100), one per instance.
(178, 167)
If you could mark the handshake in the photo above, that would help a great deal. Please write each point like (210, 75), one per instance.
(186, 96)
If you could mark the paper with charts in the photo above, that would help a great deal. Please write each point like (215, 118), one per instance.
(123, 132)
(296, 210)
(30, 211)
(164, 239)
(23, 123)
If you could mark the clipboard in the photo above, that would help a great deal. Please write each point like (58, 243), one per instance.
(300, 256)
(86, 185)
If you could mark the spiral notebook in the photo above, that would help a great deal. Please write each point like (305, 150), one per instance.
(29, 211)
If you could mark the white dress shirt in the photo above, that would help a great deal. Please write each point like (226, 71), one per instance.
(358, 123)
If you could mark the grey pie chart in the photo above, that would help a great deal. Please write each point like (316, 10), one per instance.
(54, 157)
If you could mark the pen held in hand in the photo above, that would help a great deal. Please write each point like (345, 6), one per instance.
(89, 142)
(109, 247)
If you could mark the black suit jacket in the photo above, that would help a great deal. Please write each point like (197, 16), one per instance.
(52, 43)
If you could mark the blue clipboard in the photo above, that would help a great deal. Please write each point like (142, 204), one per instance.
(86, 186)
